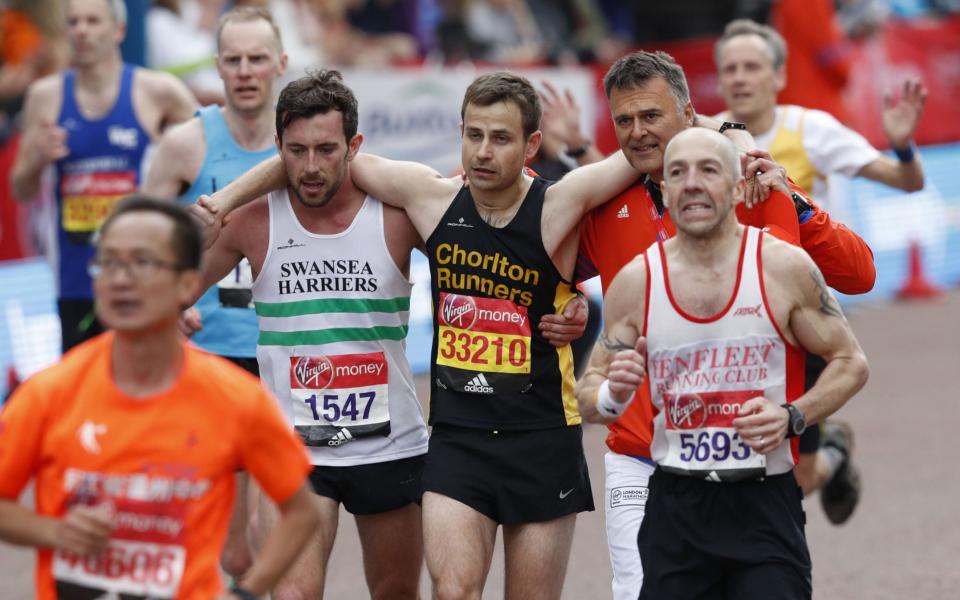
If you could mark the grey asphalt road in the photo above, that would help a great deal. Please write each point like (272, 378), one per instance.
(904, 539)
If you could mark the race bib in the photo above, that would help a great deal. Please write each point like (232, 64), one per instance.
(88, 198)
(339, 398)
(484, 345)
(133, 569)
(701, 439)
(234, 290)
(144, 558)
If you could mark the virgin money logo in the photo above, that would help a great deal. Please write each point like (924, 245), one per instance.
(313, 372)
(746, 311)
(686, 411)
(458, 311)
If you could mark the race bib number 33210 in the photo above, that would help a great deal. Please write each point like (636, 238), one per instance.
(483, 334)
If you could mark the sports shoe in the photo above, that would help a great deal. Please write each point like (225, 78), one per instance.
(840, 495)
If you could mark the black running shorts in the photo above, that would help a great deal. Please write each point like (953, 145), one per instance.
(712, 541)
(510, 476)
(373, 488)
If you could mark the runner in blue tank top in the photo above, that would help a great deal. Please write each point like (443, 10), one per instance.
(205, 154)
(92, 124)
(211, 150)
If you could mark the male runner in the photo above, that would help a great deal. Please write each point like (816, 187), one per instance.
(92, 123)
(719, 344)
(650, 103)
(502, 253)
(201, 156)
(332, 292)
(132, 441)
(810, 143)
(813, 145)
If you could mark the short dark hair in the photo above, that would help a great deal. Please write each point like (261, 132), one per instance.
(504, 86)
(773, 39)
(317, 93)
(638, 68)
(187, 239)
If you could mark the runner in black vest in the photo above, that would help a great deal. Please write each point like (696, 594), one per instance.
(506, 444)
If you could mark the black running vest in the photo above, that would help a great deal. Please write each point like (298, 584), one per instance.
(491, 368)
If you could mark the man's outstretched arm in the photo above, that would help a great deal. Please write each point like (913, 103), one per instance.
(259, 181)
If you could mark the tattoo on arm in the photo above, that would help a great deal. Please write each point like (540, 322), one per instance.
(828, 304)
(613, 345)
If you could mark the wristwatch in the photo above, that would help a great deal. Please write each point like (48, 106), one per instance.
(797, 423)
(800, 203)
(732, 125)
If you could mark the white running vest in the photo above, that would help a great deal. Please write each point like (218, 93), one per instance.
(333, 312)
(701, 370)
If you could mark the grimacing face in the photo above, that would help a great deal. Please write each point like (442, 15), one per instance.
(315, 155)
(746, 78)
(701, 181)
(494, 147)
(645, 119)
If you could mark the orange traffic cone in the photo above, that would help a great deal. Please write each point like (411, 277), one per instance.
(917, 286)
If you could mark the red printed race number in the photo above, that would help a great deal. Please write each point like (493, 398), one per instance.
(483, 334)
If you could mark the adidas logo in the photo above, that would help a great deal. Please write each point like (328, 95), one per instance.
(343, 436)
(478, 385)
(623, 213)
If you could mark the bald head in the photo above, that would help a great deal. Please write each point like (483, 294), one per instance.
(703, 142)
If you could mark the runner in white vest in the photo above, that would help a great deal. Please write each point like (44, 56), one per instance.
(332, 297)
(333, 313)
(719, 335)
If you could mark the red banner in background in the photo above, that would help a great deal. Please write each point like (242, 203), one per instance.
(925, 49)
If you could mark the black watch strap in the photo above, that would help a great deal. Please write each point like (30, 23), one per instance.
(797, 423)
(800, 203)
(732, 125)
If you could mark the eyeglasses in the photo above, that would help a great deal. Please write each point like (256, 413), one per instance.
(140, 267)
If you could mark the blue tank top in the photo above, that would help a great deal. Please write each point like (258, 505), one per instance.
(229, 321)
(102, 167)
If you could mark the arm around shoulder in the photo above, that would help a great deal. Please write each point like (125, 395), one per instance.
(399, 183)
(589, 186)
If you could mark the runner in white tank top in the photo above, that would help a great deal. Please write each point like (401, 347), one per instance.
(332, 299)
(702, 370)
(717, 338)
(333, 313)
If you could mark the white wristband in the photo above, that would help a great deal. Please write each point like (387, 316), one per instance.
(607, 406)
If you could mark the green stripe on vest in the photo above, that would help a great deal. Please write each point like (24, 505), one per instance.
(327, 336)
(313, 307)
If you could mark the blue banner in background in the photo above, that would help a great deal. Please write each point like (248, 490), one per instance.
(890, 221)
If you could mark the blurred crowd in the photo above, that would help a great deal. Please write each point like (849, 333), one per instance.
(180, 38)
(369, 33)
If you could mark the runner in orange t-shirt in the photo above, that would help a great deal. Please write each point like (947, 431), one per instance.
(134, 438)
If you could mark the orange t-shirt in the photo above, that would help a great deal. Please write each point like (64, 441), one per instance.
(166, 462)
(613, 234)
